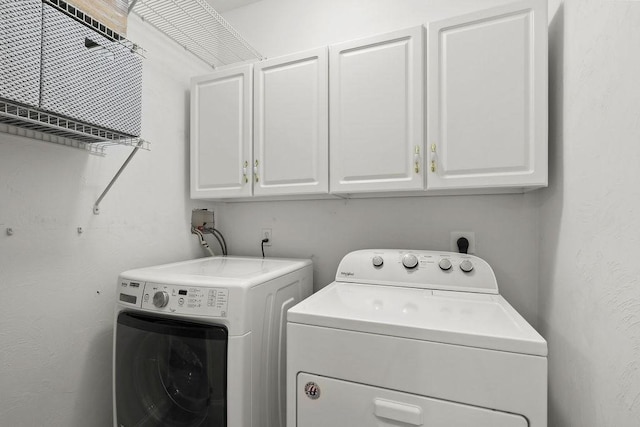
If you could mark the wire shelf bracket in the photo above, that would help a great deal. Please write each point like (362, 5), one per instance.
(31, 123)
(196, 26)
(96, 205)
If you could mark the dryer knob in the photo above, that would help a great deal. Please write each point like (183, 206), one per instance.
(466, 266)
(377, 261)
(161, 299)
(410, 261)
(445, 264)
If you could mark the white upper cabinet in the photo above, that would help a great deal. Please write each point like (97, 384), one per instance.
(376, 113)
(487, 99)
(291, 125)
(460, 108)
(221, 134)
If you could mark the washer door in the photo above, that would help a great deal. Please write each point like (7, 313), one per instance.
(169, 373)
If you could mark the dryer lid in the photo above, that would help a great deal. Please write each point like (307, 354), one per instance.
(459, 318)
(218, 271)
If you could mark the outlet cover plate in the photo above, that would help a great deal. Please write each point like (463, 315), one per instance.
(469, 235)
(266, 234)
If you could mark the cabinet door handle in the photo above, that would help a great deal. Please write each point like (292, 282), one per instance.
(416, 159)
(433, 157)
(245, 165)
(255, 171)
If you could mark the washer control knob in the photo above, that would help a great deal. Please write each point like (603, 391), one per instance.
(377, 261)
(466, 266)
(410, 261)
(445, 264)
(161, 299)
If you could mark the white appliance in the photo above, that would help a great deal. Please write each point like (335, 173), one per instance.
(413, 338)
(201, 343)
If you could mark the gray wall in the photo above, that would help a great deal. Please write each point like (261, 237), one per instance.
(590, 217)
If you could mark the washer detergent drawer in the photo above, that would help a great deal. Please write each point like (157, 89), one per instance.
(328, 402)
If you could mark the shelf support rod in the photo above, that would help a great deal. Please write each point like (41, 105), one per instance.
(96, 205)
(131, 6)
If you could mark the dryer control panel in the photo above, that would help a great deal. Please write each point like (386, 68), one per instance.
(418, 269)
(179, 299)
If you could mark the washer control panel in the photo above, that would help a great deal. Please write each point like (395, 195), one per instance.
(418, 269)
(210, 302)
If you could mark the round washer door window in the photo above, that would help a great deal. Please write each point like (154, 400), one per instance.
(170, 373)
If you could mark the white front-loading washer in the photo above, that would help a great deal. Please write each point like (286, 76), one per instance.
(201, 343)
(413, 338)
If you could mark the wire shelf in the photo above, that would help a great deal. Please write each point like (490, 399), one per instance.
(196, 26)
(30, 122)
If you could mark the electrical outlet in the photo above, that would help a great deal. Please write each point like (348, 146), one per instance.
(266, 234)
(469, 235)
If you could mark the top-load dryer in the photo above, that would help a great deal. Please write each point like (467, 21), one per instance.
(413, 338)
(201, 343)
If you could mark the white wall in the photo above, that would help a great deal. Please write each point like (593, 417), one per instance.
(590, 216)
(506, 230)
(506, 226)
(58, 287)
(277, 27)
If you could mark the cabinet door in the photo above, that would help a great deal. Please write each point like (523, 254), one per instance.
(376, 113)
(221, 134)
(487, 98)
(291, 142)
